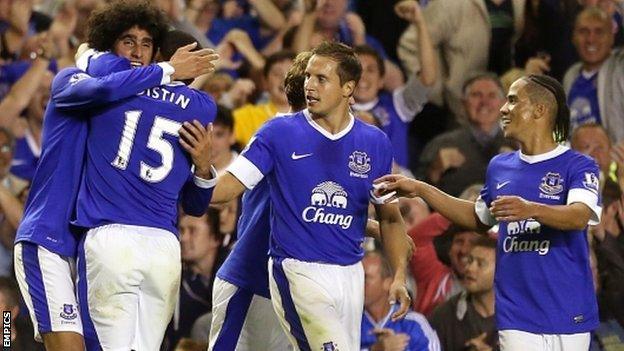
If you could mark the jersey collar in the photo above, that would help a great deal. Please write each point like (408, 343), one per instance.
(324, 132)
(560, 149)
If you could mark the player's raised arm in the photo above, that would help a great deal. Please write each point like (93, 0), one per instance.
(73, 89)
(458, 211)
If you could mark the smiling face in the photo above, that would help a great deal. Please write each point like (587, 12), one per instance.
(135, 44)
(324, 93)
(482, 101)
(371, 81)
(593, 38)
(517, 112)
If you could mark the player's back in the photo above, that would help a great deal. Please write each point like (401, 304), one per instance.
(54, 186)
(135, 166)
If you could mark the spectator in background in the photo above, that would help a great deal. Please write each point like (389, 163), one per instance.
(21, 329)
(609, 248)
(466, 321)
(413, 211)
(379, 332)
(249, 118)
(11, 207)
(468, 36)
(329, 20)
(592, 139)
(593, 85)
(454, 160)
(235, 14)
(223, 139)
(202, 255)
(396, 109)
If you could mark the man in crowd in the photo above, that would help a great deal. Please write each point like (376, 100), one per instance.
(467, 319)
(593, 85)
(379, 332)
(457, 159)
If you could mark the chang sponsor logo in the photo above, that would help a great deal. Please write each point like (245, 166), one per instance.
(326, 196)
(515, 242)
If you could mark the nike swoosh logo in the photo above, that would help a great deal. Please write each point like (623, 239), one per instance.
(294, 156)
(500, 185)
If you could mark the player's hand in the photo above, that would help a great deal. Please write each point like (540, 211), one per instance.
(398, 294)
(478, 343)
(409, 10)
(197, 141)
(402, 185)
(512, 208)
(388, 340)
(189, 65)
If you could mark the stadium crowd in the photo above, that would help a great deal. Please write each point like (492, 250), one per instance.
(433, 80)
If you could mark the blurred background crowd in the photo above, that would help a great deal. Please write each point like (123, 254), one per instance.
(435, 74)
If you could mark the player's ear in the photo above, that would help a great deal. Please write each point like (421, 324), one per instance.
(541, 110)
(348, 88)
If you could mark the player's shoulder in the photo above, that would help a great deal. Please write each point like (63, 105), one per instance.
(68, 75)
(504, 157)
(371, 132)
(578, 158)
(282, 123)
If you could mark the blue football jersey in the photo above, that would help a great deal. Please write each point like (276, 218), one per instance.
(247, 264)
(50, 203)
(422, 336)
(25, 157)
(135, 167)
(320, 184)
(543, 281)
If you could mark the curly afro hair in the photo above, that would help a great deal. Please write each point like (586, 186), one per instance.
(108, 23)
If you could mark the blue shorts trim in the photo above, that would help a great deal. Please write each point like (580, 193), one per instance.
(235, 315)
(36, 287)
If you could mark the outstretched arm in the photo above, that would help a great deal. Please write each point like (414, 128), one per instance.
(458, 211)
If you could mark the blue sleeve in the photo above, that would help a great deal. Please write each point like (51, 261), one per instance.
(74, 89)
(195, 199)
(259, 150)
(102, 64)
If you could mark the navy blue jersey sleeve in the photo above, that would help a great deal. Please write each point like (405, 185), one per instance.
(105, 63)
(75, 89)
(196, 194)
(584, 186)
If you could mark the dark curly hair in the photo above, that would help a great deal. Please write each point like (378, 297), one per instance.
(108, 23)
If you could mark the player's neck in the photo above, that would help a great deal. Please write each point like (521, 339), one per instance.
(537, 145)
(483, 303)
(379, 310)
(336, 121)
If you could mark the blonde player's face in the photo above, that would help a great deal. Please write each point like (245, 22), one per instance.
(324, 93)
(137, 45)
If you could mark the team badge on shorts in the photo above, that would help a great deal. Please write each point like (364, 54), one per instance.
(69, 312)
(330, 346)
